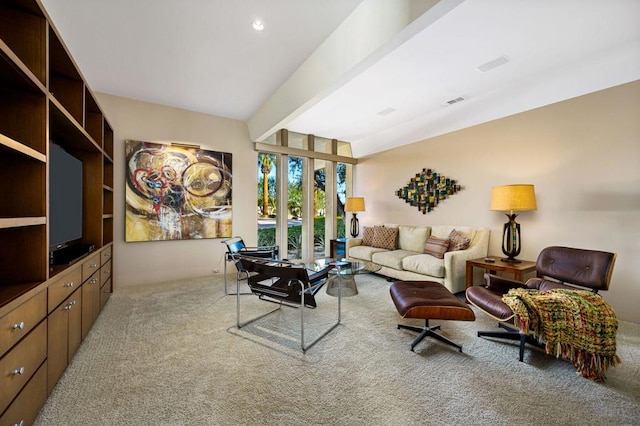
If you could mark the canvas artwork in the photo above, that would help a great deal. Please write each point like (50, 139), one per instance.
(176, 193)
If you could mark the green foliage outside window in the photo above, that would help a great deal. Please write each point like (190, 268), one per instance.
(267, 236)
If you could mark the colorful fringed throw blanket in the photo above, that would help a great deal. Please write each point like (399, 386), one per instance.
(574, 324)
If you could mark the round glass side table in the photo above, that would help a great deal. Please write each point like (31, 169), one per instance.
(341, 280)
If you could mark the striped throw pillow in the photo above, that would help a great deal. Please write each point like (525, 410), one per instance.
(436, 247)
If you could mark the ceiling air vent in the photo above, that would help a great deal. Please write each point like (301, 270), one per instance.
(456, 100)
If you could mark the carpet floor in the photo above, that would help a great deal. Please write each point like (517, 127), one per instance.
(170, 354)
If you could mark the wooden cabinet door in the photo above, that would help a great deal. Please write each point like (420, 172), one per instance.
(90, 302)
(64, 336)
(58, 344)
(75, 323)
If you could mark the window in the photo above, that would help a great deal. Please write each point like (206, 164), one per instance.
(303, 181)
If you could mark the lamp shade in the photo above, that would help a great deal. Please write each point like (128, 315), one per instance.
(354, 204)
(513, 198)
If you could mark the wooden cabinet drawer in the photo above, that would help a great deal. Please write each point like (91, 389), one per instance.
(17, 323)
(90, 266)
(62, 287)
(27, 405)
(105, 272)
(19, 364)
(105, 255)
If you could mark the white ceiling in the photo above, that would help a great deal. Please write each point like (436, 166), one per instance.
(203, 55)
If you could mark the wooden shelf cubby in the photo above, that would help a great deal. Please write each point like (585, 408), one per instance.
(23, 30)
(93, 118)
(65, 81)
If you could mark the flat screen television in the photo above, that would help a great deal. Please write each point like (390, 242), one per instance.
(65, 205)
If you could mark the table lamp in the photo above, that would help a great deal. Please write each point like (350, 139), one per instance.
(512, 198)
(354, 205)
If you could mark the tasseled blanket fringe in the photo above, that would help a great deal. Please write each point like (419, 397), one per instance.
(530, 315)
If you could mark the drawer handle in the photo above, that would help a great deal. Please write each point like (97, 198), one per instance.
(19, 424)
(18, 371)
(93, 266)
(70, 305)
(93, 280)
(18, 326)
(69, 284)
(107, 272)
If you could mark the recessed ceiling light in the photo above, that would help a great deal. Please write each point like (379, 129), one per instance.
(258, 25)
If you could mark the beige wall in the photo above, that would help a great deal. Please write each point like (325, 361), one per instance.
(143, 262)
(582, 155)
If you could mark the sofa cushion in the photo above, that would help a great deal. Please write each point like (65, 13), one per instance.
(436, 247)
(367, 236)
(424, 264)
(412, 238)
(391, 259)
(364, 252)
(458, 241)
(386, 238)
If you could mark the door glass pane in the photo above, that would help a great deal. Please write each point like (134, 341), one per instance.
(267, 207)
(319, 206)
(294, 207)
(341, 180)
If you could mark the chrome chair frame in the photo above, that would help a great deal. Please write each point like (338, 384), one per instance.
(300, 295)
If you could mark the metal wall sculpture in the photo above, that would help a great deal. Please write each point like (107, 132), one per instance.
(176, 192)
(427, 189)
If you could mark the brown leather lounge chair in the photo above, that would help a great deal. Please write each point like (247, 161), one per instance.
(556, 267)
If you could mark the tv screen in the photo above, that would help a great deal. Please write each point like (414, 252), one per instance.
(65, 198)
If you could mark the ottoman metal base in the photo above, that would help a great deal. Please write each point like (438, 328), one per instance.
(428, 331)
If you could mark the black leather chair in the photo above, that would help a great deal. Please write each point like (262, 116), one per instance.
(556, 267)
(236, 245)
(284, 283)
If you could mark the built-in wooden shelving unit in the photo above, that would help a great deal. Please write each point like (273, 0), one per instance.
(44, 98)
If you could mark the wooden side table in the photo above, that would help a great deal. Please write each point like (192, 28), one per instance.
(338, 248)
(517, 269)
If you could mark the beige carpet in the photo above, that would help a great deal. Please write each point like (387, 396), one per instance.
(170, 354)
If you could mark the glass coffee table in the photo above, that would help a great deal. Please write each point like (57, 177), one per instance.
(341, 280)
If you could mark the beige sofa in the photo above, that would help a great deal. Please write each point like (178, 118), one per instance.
(409, 262)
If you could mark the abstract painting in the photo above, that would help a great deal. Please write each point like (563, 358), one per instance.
(427, 189)
(176, 192)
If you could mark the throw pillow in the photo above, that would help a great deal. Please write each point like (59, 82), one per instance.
(436, 247)
(458, 241)
(367, 236)
(385, 238)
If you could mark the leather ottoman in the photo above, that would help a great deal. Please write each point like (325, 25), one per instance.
(428, 300)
